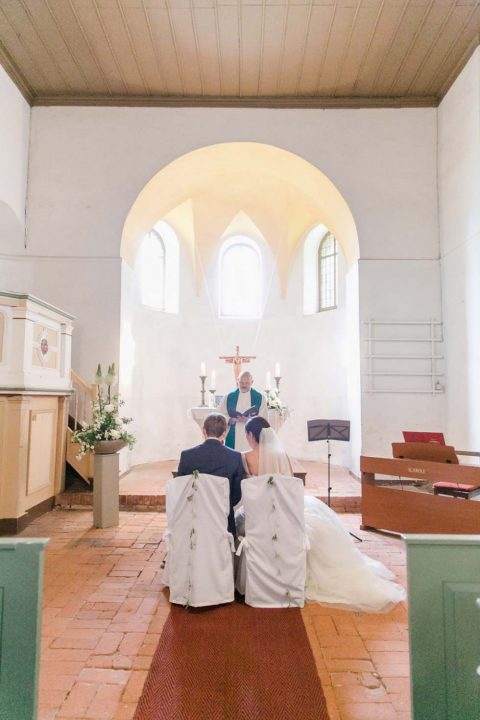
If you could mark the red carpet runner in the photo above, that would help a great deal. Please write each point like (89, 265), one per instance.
(233, 662)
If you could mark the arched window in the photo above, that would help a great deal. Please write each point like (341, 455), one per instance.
(320, 270)
(327, 273)
(240, 279)
(157, 268)
(151, 259)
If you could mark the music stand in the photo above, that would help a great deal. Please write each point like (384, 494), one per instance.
(329, 430)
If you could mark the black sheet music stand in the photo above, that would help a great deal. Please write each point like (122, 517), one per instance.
(329, 430)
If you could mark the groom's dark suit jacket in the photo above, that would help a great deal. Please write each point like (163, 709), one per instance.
(213, 458)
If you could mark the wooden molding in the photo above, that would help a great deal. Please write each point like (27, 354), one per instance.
(314, 103)
(13, 526)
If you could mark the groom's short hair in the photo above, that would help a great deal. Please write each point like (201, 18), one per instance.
(215, 425)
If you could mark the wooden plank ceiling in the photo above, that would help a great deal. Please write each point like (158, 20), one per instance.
(253, 52)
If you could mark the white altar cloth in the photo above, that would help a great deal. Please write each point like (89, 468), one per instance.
(200, 413)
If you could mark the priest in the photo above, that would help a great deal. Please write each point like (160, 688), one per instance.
(245, 399)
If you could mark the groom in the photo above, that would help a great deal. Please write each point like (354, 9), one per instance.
(213, 458)
(245, 399)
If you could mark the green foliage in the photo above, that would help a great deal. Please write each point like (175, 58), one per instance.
(106, 423)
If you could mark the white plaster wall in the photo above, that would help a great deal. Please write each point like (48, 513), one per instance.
(399, 290)
(459, 197)
(14, 139)
(87, 166)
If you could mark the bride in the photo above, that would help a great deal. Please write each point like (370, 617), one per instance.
(337, 572)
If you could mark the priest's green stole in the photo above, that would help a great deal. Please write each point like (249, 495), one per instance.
(232, 399)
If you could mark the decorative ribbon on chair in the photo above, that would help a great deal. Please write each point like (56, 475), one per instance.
(243, 543)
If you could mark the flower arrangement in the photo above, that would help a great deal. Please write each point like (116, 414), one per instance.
(106, 423)
(274, 402)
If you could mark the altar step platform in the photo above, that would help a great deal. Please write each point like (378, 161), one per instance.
(143, 487)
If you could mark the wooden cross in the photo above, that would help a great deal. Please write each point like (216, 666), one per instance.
(237, 361)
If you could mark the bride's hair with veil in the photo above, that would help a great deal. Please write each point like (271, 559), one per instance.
(255, 426)
(272, 457)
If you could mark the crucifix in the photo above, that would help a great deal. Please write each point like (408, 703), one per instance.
(237, 361)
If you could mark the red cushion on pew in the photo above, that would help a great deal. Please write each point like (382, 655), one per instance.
(455, 486)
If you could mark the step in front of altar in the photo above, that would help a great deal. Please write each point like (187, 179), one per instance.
(133, 503)
(156, 503)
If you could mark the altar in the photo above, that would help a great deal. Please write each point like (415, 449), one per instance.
(199, 414)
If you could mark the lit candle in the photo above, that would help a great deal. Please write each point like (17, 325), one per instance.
(203, 370)
(212, 380)
(277, 369)
(268, 381)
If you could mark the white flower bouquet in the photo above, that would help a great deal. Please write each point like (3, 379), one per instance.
(106, 422)
(274, 402)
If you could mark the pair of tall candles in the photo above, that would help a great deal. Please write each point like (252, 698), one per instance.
(203, 373)
(268, 379)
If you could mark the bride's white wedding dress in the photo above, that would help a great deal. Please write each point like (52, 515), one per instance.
(337, 572)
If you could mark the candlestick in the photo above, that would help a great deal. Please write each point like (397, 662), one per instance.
(202, 391)
(203, 370)
(277, 383)
(277, 369)
(212, 380)
(268, 381)
(212, 398)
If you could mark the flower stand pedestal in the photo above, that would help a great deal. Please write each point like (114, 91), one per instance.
(106, 490)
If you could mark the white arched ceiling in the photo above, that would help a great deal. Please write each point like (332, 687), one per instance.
(200, 193)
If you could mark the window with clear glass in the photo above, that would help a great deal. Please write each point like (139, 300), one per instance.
(240, 275)
(152, 270)
(327, 273)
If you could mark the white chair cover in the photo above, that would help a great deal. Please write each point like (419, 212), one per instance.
(272, 565)
(199, 562)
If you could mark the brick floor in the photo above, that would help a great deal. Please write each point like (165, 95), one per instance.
(105, 606)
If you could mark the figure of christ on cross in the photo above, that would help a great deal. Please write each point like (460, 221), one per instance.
(237, 361)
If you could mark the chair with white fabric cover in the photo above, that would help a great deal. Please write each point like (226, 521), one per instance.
(199, 563)
(273, 553)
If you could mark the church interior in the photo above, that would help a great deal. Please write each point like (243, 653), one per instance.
(191, 189)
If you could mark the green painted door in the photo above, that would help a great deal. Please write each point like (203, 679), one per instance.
(444, 626)
(21, 581)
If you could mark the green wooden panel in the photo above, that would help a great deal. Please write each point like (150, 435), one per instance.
(21, 580)
(462, 649)
(444, 626)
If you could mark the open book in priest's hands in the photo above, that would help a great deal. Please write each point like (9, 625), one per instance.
(249, 412)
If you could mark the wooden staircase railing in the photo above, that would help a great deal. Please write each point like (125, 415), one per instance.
(80, 413)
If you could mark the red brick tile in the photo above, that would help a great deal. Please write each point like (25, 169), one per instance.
(368, 711)
(386, 645)
(142, 662)
(125, 711)
(105, 703)
(346, 647)
(108, 643)
(324, 626)
(135, 686)
(349, 665)
(359, 694)
(339, 679)
(101, 676)
(79, 699)
(131, 643)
